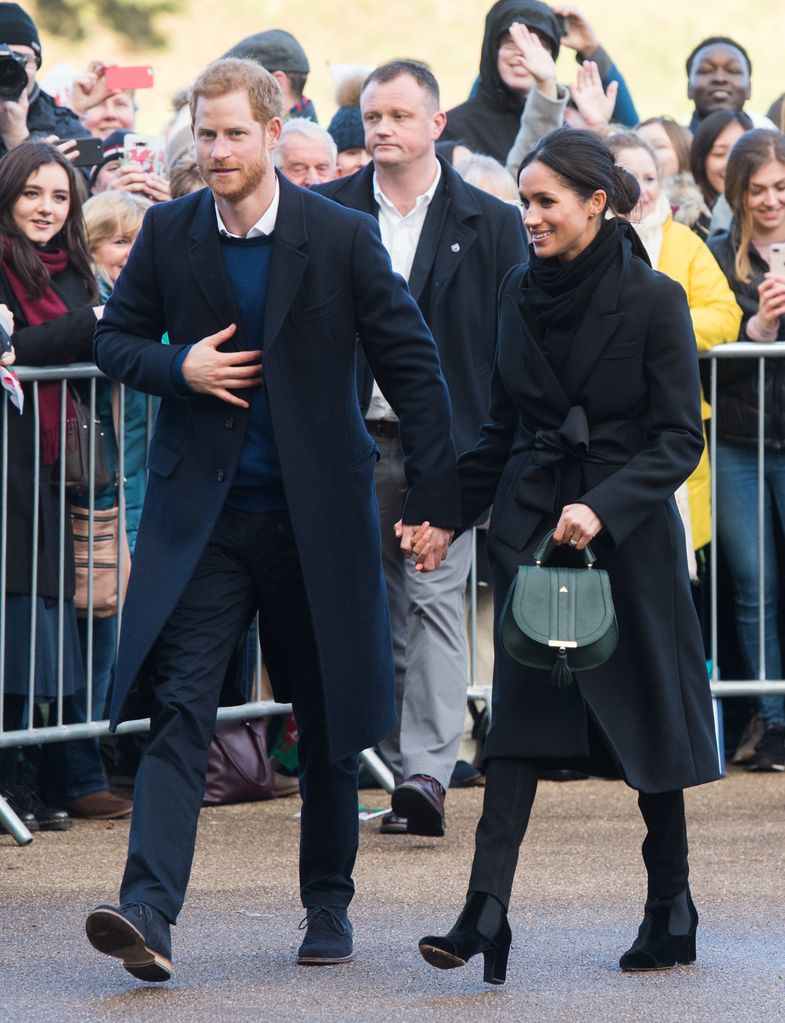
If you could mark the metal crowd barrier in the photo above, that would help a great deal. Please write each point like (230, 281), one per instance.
(760, 686)
(59, 731)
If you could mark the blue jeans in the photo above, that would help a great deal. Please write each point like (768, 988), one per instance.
(75, 767)
(736, 473)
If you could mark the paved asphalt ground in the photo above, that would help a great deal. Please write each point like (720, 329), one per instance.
(577, 904)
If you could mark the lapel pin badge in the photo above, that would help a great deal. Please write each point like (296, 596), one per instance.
(455, 247)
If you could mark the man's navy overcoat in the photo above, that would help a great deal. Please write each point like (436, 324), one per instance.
(330, 284)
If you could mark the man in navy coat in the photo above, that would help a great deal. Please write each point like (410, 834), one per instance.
(261, 497)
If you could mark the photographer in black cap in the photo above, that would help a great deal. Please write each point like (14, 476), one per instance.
(25, 110)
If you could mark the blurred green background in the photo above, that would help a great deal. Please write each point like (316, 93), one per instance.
(649, 42)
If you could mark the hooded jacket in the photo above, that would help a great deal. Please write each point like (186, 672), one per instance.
(489, 121)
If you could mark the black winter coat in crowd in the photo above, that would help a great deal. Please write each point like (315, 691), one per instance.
(489, 121)
(469, 241)
(630, 389)
(68, 338)
(737, 382)
(45, 118)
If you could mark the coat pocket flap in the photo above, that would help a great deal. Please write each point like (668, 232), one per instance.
(162, 460)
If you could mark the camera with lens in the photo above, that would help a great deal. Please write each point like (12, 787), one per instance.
(13, 73)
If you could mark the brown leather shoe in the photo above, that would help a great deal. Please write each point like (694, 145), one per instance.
(420, 799)
(98, 806)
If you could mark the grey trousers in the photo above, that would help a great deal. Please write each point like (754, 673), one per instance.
(429, 643)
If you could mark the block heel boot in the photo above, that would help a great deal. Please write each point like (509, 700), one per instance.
(481, 927)
(666, 936)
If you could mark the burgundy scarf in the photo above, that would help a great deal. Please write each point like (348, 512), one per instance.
(36, 311)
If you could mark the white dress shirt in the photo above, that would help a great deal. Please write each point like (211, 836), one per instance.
(400, 236)
(264, 225)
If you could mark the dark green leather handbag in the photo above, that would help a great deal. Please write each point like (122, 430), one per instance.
(559, 619)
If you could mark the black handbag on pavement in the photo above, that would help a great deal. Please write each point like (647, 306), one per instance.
(559, 619)
(238, 767)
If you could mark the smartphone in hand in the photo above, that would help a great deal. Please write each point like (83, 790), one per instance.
(5, 338)
(147, 152)
(125, 79)
(777, 258)
(89, 152)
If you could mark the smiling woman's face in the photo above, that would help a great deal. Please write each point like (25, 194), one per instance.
(559, 222)
(717, 160)
(42, 208)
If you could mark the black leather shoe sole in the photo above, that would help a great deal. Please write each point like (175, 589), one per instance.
(392, 825)
(109, 932)
(439, 958)
(53, 823)
(315, 960)
(422, 817)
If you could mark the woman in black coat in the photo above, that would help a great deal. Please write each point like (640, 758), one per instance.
(595, 422)
(47, 283)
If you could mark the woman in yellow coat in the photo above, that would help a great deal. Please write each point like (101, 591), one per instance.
(677, 251)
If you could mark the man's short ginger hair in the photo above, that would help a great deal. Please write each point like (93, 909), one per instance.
(235, 74)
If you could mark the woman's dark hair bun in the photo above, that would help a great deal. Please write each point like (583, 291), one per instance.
(627, 191)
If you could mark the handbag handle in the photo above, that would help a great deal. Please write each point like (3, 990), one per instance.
(545, 548)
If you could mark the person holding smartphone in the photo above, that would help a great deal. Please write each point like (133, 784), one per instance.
(751, 255)
(33, 113)
(7, 354)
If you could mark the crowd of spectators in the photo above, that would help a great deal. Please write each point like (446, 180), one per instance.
(711, 216)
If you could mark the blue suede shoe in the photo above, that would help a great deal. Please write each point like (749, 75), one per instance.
(328, 937)
(136, 933)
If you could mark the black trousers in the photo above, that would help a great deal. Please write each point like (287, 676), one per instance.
(250, 563)
(510, 787)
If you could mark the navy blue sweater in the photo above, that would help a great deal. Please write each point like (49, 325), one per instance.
(257, 485)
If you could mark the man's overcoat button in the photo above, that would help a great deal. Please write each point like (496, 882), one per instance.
(220, 475)
(229, 423)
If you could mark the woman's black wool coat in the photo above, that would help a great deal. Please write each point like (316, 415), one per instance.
(620, 430)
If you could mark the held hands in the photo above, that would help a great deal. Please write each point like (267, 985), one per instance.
(535, 58)
(594, 104)
(772, 300)
(209, 371)
(428, 543)
(577, 523)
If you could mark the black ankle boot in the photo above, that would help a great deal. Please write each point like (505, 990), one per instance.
(481, 927)
(666, 936)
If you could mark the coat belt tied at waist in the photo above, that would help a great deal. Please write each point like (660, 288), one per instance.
(574, 441)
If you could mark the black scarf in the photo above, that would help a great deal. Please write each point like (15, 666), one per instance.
(555, 294)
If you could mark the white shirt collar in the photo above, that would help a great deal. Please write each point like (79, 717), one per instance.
(422, 200)
(264, 225)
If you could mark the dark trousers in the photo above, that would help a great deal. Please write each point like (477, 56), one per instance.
(250, 564)
(510, 787)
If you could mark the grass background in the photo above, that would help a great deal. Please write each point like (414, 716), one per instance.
(648, 40)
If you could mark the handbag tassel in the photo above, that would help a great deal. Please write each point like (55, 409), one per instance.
(561, 674)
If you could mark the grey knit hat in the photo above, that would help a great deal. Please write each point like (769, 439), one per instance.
(274, 49)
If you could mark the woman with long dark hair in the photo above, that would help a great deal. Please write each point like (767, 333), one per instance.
(711, 145)
(47, 282)
(594, 423)
(755, 189)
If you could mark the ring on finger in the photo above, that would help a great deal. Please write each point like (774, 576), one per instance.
(573, 542)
